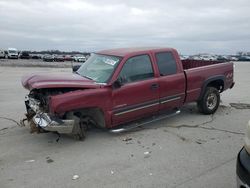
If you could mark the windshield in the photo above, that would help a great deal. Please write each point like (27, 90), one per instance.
(99, 67)
(12, 51)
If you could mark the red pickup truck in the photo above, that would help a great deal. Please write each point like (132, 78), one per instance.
(115, 87)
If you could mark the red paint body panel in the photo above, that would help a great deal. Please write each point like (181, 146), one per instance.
(137, 99)
(197, 76)
(135, 94)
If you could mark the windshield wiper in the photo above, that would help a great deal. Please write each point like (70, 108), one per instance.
(87, 77)
(83, 75)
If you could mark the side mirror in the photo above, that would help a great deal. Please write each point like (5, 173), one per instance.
(75, 68)
(118, 83)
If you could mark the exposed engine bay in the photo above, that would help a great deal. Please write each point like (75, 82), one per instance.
(40, 119)
(38, 99)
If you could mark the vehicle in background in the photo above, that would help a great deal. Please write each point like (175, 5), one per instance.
(222, 58)
(243, 163)
(184, 57)
(195, 57)
(207, 57)
(59, 58)
(24, 55)
(244, 58)
(2, 54)
(80, 58)
(232, 58)
(120, 86)
(12, 53)
(48, 58)
(68, 58)
(87, 56)
(35, 56)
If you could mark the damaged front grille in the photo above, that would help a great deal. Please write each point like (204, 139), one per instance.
(37, 102)
(32, 103)
(38, 99)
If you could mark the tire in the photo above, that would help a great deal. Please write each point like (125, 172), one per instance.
(210, 101)
(81, 133)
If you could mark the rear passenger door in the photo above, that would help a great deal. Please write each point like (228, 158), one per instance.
(171, 81)
(139, 94)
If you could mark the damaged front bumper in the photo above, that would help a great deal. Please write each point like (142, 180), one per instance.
(44, 121)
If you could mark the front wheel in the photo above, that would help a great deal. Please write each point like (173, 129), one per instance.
(210, 101)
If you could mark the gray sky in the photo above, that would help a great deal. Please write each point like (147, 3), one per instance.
(190, 26)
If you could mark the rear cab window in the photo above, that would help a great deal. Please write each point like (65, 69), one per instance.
(166, 63)
(137, 68)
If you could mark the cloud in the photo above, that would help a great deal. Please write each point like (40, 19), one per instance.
(189, 26)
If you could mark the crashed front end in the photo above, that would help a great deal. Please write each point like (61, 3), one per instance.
(39, 117)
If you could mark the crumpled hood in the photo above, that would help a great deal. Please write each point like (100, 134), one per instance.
(57, 80)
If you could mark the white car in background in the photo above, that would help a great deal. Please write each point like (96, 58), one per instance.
(80, 58)
(2, 54)
(12, 53)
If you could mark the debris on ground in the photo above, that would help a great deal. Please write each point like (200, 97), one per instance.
(200, 141)
(126, 139)
(49, 160)
(30, 161)
(112, 172)
(75, 177)
(147, 154)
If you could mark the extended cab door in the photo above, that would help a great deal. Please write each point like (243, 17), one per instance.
(172, 81)
(139, 94)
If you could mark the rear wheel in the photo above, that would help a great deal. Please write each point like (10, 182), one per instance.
(210, 101)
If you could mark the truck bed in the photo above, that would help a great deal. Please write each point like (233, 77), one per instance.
(198, 71)
(189, 64)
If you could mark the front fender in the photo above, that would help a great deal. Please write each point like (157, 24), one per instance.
(79, 99)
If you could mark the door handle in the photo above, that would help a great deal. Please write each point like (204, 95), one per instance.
(154, 86)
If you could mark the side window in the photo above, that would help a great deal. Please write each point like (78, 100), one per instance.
(137, 68)
(166, 63)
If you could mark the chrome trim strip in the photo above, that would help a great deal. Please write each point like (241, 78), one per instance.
(171, 99)
(138, 108)
(167, 99)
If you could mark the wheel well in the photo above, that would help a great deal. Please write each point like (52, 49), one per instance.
(95, 114)
(218, 84)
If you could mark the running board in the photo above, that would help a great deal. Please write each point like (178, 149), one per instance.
(144, 121)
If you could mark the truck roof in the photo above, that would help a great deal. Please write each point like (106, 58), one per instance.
(121, 52)
(12, 49)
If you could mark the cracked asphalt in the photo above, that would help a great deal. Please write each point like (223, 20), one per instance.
(188, 150)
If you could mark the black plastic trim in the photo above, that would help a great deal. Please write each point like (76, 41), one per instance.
(206, 82)
(243, 166)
